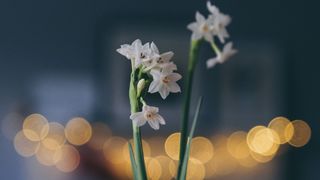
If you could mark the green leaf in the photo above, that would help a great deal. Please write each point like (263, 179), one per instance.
(133, 162)
(186, 156)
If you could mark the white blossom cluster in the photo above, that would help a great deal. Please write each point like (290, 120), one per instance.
(213, 26)
(147, 58)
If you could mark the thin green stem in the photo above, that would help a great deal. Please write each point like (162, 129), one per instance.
(193, 55)
(215, 48)
(135, 107)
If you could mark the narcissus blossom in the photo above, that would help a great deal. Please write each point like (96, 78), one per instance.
(148, 114)
(164, 83)
(221, 57)
(202, 28)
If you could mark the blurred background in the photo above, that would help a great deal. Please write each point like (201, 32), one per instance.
(58, 59)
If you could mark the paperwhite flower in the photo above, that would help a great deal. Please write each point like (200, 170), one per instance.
(136, 52)
(164, 83)
(158, 61)
(149, 114)
(201, 28)
(218, 22)
(226, 53)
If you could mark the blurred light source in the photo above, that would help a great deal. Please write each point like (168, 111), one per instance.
(279, 125)
(35, 127)
(173, 166)
(260, 158)
(78, 131)
(154, 169)
(100, 133)
(47, 156)
(237, 145)
(196, 169)
(112, 149)
(157, 145)
(172, 146)
(70, 159)
(165, 163)
(201, 149)
(55, 137)
(24, 146)
(125, 149)
(262, 140)
(301, 135)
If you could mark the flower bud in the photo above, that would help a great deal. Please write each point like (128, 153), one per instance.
(140, 86)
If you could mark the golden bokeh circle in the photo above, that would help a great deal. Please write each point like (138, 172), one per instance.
(279, 125)
(55, 138)
(237, 145)
(196, 169)
(47, 156)
(145, 146)
(165, 163)
(154, 169)
(260, 158)
(100, 133)
(201, 149)
(78, 131)
(70, 159)
(24, 146)
(35, 127)
(112, 149)
(172, 146)
(301, 133)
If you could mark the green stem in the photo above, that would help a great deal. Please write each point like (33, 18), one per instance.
(136, 107)
(193, 54)
(215, 48)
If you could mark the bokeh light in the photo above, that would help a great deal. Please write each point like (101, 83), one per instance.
(201, 149)
(172, 146)
(100, 133)
(112, 149)
(24, 146)
(237, 145)
(154, 169)
(35, 127)
(125, 149)
(78, 131)
(157, 145)
(301, 135)
(196, 169)
(279, 125)
(55, 137)
(165, 162)
(69, 160)
(47, 156)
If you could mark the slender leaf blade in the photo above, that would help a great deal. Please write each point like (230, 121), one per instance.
(186, 156)
(133, 162)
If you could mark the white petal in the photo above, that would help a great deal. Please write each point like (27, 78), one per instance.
(168, 68)
(137, 42)
(155, 74)
(174, 87)
(208, 37)
(154, 86)
(193, 26)
(136, 115)
(196, 36)
(212, 62)
(154, 48)
(166, 56)
(161, 120)
(140, 122)
(154, 124)
(200, 17)
(164, 92)
(174, 76)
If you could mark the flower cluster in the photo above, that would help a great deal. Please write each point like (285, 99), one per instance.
(158, 70)
(213, 26)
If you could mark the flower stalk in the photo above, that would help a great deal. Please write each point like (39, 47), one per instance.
(193, 55)
(135, 107)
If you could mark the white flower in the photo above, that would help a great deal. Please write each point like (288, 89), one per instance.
(218, 22)
(226, 53)
(201, 28)
(149, 114)
(158, 61)
(164, 82)
(136, 52)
